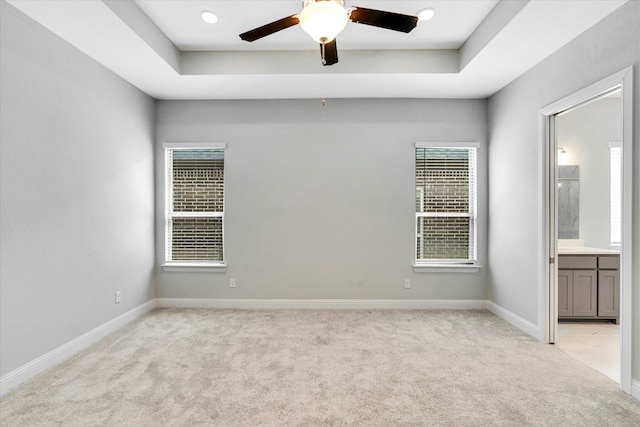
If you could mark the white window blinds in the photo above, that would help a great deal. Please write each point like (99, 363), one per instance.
(446, 203)
(194, 203)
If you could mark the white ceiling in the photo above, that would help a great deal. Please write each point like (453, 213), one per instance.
(470, 49)
(180, 21)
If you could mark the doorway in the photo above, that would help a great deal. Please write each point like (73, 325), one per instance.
(588, 227)
(588, 269)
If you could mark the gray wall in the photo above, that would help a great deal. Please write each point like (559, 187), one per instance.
(516, 169)
(76, 160)
(585, 134)
(320, 201)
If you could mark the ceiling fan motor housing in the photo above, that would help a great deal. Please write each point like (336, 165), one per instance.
(323, 19)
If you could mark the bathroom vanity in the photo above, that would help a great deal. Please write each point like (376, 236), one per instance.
(588, 283)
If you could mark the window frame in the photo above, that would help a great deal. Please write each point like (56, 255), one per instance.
(169, 214)
(469, 265)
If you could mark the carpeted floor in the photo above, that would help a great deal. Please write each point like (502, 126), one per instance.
(184, 367)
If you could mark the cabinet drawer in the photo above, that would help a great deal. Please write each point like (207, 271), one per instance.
(609, 262)
(576, 261)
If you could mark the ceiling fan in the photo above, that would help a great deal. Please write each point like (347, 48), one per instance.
(324, 19)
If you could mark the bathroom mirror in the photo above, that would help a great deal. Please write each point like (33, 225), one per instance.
(568, 202)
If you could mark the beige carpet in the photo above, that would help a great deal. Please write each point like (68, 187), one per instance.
(313, 368)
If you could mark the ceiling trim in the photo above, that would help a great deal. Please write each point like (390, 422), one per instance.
(490, 27)
(308, 62)
(147, 30)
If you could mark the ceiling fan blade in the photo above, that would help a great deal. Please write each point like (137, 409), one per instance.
(380, 18)
(273, 27)
(329, 52)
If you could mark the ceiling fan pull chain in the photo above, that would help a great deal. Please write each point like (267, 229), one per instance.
(324, 61)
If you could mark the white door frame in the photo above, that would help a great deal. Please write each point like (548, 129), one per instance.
(624, 80)
(551, 293)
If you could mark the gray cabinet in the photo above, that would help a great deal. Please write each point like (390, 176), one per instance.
(609, 286)
(565, 293)
(585, 293)
(577, 293)
(588, 286)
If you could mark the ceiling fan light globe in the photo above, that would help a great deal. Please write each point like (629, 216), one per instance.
(323, 20)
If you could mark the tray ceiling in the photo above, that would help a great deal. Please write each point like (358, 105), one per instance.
(470, 49)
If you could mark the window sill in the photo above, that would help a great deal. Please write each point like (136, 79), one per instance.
(446, 268)
(194, 267)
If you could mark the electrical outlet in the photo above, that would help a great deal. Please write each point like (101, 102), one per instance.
(407, 283)
(118, 297)
(232, 283)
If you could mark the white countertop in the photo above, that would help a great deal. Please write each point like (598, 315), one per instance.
(585, 250)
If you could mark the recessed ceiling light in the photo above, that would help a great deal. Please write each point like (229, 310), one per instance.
(208, 16)
(426, 13)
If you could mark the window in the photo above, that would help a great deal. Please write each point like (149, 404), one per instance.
(445, 203)
(616, 193)
(194, 204)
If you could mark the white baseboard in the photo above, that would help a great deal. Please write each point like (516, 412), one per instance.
(517, 321)
(367, 304)
(58, 355)
(635, 390)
